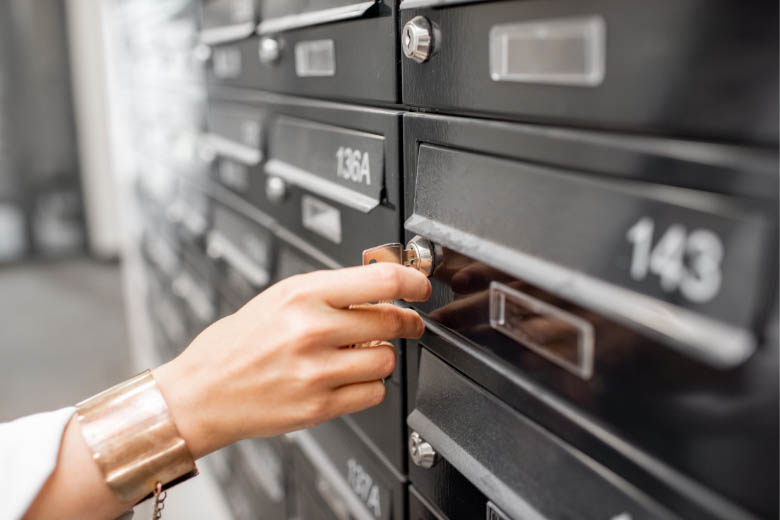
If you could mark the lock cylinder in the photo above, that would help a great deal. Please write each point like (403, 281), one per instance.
(422, 255)
(419, 253)
(417, 39)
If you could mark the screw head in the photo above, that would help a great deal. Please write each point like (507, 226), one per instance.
(417, 39)
(421, 452)
(269, 50)
(275, 189)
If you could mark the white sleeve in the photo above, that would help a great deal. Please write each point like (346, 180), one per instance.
(29, 448)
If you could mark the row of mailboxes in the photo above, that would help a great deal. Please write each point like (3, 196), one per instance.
(693, 68)
(612, 364)
(599, 340)
(610, 367)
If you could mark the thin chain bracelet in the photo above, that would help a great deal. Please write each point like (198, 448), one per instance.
(159, 501)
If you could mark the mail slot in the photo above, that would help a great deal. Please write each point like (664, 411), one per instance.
(604, 355)
(585, 64)
(344, 191)
(236, 142)
(492, 462)
(545, 220)
(282, 15)
(226, 20)
(338, 477)
(244, 251)
(352, 57)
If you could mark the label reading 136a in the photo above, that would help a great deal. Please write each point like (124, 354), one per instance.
(685, 261)
(353, 165)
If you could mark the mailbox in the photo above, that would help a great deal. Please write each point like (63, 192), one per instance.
(494, 210)
(692, 68)
(333, 49)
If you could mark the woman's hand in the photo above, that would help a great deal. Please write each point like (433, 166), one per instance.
(279, 363)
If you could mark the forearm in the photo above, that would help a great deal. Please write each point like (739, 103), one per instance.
(76, 489)
(273, 376)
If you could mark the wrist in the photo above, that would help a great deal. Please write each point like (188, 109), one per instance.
(134, 442)
(180, 389)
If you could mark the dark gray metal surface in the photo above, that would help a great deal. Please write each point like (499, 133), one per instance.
(374, 132)
(692, 68)
(372, 482)
(364, 54)
(681, 404)
(475, 432)
(490, 208)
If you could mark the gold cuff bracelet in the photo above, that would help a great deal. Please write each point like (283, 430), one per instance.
(133, 439)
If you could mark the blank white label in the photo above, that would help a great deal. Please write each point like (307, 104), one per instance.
(563, 338)
(227, 62)
(568, 51)
(315, 58)
(322, 218)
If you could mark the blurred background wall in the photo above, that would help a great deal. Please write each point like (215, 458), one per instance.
(64, 321)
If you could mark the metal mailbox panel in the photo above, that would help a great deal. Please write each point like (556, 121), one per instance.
(343, 192)
(647, 414)
(681, 68)
(330, 174)
(350, 60)
(492, 459)
(281, 15)
(245, 252)
(602, 240)
(640, 388)
(421, 509)
(226, 20)
(236, 144)
(341, 472)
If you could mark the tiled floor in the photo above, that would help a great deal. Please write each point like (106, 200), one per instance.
(62, 334)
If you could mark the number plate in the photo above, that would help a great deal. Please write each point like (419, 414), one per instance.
(561, 337)
(343, 165)
(227, 62)
(565, 52)
(322, 218)
(315, 58)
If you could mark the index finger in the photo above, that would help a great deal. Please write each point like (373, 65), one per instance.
(371, 283)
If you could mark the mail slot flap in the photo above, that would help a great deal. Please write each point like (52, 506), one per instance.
(236, 132)
(415, 4)
(519, 466)
(346, 166)
(281, 15)
(227, 20)
(245, 246)
(685, 266)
